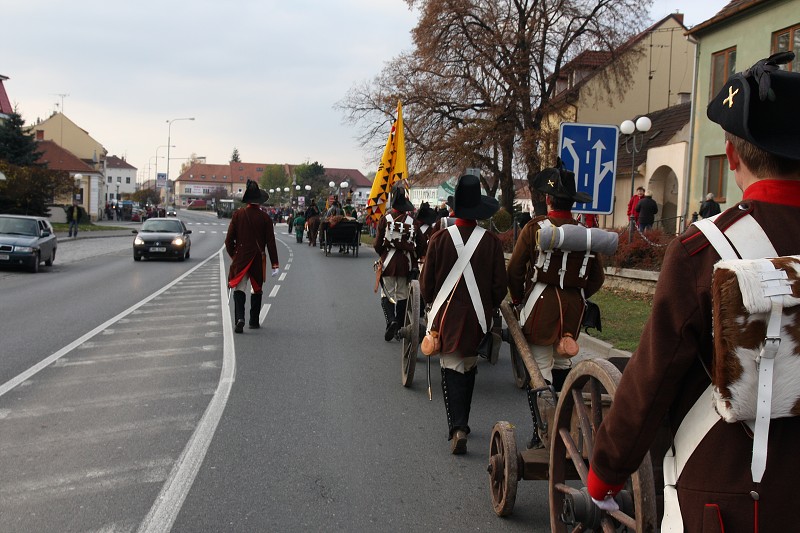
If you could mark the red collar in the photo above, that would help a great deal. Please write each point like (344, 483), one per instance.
(784, 192)
(463, 222)
(559, 214)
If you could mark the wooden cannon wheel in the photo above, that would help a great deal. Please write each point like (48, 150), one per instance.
(504, 468)
(577, 417)
(409, 334)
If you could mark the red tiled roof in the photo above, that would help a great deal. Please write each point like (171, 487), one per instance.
(233, 171)
(734, 7)
(113, 161)
(353, 176)
(5, 103)
(57, 158)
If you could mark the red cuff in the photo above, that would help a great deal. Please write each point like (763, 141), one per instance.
(599, 489)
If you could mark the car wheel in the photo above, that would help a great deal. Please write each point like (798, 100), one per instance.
(182, 257)
(35, 265)
(137, 257)
(52, 259)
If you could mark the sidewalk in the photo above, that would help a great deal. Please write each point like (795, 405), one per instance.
(94, 243)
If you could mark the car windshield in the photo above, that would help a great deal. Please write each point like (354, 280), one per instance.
(18, 226)
(168, 226)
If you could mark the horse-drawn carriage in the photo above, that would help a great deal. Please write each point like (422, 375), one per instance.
(567, 423)
(342, 232)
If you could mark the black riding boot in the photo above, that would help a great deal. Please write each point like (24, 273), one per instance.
(239, 298)
(255, 310)
(457, 392)
(400, 314)
(536, 442)
(391, 319)
(559, 376)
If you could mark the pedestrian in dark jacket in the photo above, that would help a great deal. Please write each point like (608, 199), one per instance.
(647, 209)
(250, 233)
(710, 207)
(73, 217)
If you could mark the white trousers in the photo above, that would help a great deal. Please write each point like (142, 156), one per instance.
(546, 358)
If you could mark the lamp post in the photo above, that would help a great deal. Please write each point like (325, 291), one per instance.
(169, 133)
(634, 143)
(343, 185)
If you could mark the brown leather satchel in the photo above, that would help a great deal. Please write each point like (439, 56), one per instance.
(567, 346)
(431, 343)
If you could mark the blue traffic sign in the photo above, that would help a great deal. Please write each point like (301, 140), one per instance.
(590, 151)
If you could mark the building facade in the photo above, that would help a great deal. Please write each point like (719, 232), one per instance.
(734, 39)
(120, 179)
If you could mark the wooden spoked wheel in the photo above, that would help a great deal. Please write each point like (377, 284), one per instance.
(587, 393)
(504, 468)
(521, 376)
(409, 333)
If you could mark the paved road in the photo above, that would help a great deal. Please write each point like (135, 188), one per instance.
(152, 415)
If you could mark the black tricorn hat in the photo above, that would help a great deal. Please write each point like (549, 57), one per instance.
(425, 214)
(468, 201)
(400, 202)
(253, 194)
(762, 106)
(559, 183)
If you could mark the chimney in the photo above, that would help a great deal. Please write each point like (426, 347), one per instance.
(39, 135)
(678, 17)
(684, 98)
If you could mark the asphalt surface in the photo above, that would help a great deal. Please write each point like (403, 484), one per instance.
(155, 417)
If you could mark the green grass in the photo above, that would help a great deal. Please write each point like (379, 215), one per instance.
(63, 226)
(623, 314)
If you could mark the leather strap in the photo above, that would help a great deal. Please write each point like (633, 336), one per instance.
(465, 252)
(743, 239)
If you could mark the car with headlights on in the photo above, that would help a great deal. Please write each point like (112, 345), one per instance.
(165, 238)
(27, 241)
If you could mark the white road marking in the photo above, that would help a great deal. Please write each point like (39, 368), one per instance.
(282, 277)
(263, 314)
(274, 291)
(170, 500)
(288, 266)
(47, 361)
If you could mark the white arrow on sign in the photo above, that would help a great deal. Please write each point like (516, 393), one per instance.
(569, 145)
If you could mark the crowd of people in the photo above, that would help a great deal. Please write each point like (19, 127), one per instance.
(464, 278)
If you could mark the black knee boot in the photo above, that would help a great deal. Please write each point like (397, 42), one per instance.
(391, 319)
(239, 298)
(255, 310)
(457, 392)
(399, 315)
(536, 441)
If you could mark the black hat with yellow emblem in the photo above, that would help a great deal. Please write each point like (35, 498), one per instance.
(762, 106)
(560, 183)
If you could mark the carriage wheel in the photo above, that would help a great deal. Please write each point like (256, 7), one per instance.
(503, 468)
(409, 334)
(521, 376)
(577, 417)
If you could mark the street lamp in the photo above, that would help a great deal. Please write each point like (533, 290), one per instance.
(344, 185)
(634, 143)
(169, 133)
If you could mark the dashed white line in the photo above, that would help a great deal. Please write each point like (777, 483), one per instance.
(263, 314)
(274, 291)
(282, 277)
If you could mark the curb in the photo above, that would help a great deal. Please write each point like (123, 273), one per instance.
(601, 348)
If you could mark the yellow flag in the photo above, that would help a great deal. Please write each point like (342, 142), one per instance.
(392, 168)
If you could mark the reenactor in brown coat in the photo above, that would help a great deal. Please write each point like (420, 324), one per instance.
(759, 110)
(398, 244)
(249, 233)
(480, 288)
(554, 296)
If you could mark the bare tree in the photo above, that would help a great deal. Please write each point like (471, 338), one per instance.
(478, 86)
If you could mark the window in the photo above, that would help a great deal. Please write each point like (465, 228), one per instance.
(110, 179)
(723, 66)
(788, 39)
(119, 179)
(716, 176)
(187, 190)
(128, 180)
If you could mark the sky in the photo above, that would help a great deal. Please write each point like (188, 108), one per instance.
(261, 76)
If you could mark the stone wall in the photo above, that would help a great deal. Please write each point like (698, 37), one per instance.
(643, 281)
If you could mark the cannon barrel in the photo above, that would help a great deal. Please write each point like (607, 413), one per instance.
(537, 381)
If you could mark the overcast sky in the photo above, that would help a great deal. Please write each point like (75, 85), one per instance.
(258, 75)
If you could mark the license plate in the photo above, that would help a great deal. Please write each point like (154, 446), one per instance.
(158, 249)
(3, 257)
